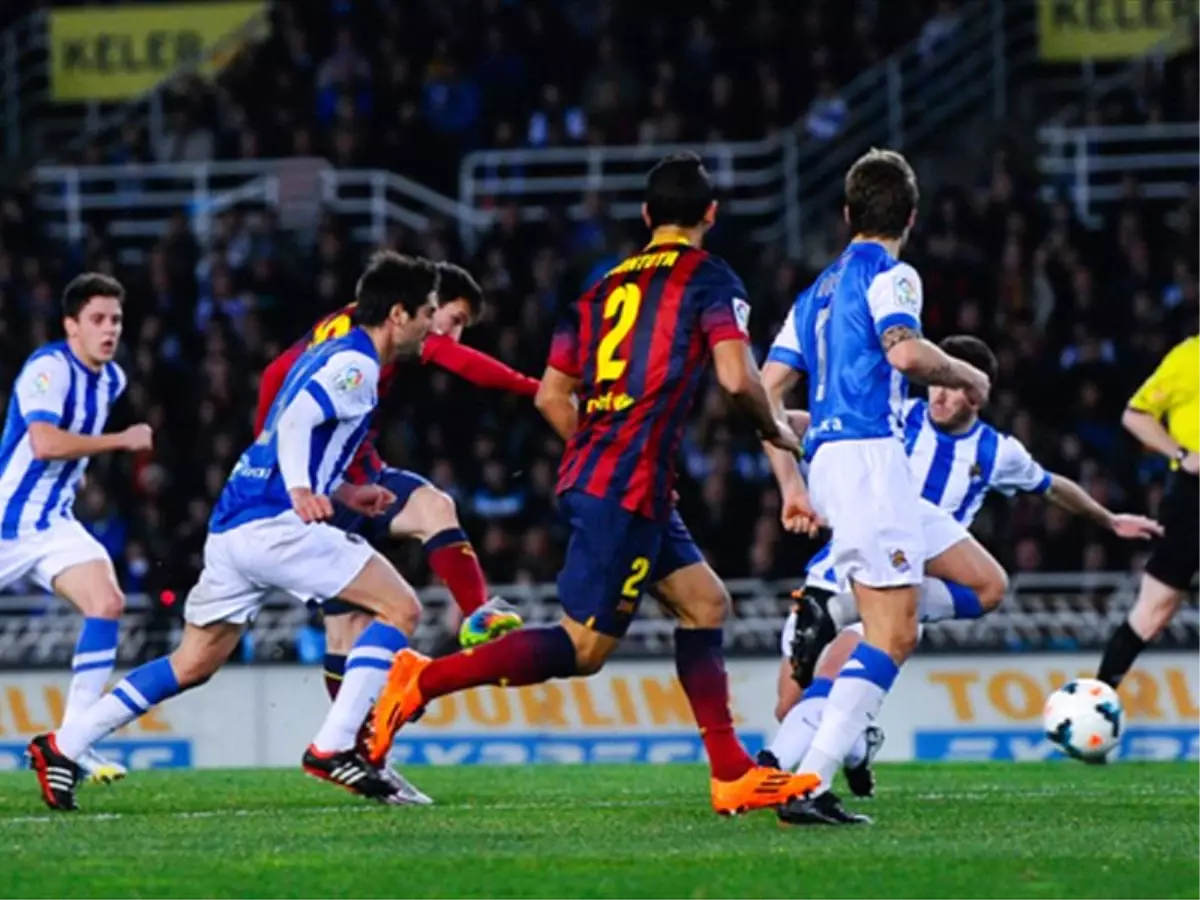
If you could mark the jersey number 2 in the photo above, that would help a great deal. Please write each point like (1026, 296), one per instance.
(331, 328)
(623, 305)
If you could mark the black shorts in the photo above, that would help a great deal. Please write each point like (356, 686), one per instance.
(1176, 556)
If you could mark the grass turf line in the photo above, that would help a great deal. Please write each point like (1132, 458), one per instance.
(964, 830)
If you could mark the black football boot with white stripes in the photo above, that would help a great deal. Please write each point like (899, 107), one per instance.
(58, 775)
(347, 769)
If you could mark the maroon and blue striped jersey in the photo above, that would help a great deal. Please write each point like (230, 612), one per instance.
(639, 341)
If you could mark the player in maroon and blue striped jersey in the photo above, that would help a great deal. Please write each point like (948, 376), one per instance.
(624, 367)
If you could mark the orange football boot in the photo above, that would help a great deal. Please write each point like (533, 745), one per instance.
(398, 702)
(760, 788)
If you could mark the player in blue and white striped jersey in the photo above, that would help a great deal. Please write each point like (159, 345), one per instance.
(269, 532)
(55, 423)
(957, 459)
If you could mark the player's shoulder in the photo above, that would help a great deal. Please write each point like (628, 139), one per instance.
(713, 271)
(47, 361)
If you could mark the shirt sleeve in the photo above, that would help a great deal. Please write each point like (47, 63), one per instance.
(346, 387)
(1017, 471)
(724, 309)
(894, 299)
(475, 366)
(42, 387)
(293, 436)
(1157, 394)
(564, 345)
(786, 346)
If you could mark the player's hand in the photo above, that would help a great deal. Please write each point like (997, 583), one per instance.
(137, 438)
(311, 507)
(368, 499)
(785, 438)
(1190, 464)
(1135, 528)
(797, 514)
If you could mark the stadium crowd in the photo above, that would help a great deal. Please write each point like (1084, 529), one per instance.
(1076, 317)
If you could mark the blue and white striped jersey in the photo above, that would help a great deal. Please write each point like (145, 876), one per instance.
(318, 420)
(833, 333)
(55, 387)
(955, 472)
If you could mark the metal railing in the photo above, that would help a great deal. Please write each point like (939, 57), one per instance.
(774, 186)
(1050, 611)
(1089, 165)
(137, 201)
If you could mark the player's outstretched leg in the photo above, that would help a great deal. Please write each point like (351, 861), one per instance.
(200, 653)
(422, 511)
(334, 754)
(92, 588)
(527, 656)
(692, 591)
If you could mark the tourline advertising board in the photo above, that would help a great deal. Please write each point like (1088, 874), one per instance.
(941, 708)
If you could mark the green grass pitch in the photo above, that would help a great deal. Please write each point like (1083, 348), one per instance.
(988, 830)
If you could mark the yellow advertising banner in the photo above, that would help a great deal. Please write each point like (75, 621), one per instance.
(118, 53)
(1074, 30)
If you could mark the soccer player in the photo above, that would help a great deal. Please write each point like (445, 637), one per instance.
(1171, 393)
(268, 532)
(624, 366)
(957, 458)
(55, 423)
(856, 332)
(420, 510)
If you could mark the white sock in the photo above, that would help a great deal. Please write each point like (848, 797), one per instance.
(366, 672)
(853, 702)
(858, 753)
(800, 724)
(144, 687)
(91, 666)
(934, 601)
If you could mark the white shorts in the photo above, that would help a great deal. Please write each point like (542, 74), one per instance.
(45, 555)
(244, 564)
(865, 491)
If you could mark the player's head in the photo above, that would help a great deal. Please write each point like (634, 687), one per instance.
(881, 196)
(949, 407)
(460, 300)
(92, 316)
(399, 294)
(679, 193)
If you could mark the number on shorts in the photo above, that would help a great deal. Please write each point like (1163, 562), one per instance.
(637, 574)
(331, 328)
(622, 304)
(822, 351)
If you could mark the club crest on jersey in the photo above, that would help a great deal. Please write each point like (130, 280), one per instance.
(899, 561)
(41, 382)
(741, 310)
(348, 379)
(906, 292)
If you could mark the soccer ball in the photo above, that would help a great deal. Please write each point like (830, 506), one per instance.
(1084, 719)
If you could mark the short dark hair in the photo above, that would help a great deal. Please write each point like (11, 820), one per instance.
(456, 283)
(973, 350)
(679, 191)
(881, 194)
(82, 288)
(391, 278)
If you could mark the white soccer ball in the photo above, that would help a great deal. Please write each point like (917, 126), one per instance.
(1084, 718)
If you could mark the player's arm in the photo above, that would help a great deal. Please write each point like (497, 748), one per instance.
(894, 299)
(738, 375)
(1143, 417)
(779, 377)
(476, 367)
(1069, 495)
(41, 394)
(343, 388)
(556, 400)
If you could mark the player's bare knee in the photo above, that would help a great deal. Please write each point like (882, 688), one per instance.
(993, 589)
(106, 603)
(430, 511)
(589, 660)
(403, 610)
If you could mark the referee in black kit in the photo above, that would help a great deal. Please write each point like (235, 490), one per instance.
(1171, 394)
